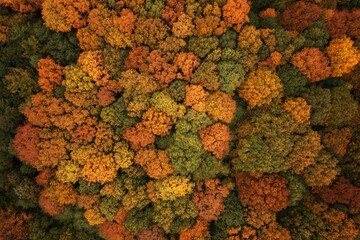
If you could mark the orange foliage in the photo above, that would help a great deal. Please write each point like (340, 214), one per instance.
(343, 55)
(172, 10)
(216, 139)
(114, 231)
(44, 110)
(211, 21)
(87, 201)
(163, 71)
(337, 140)
(62, 15)
(343, 22)
(137, 59)
(52, 148)
(187, 63)
(183, 27)
(50, 74)
(156, 163)
(88, 39)
(92, 62)
(220, 106)
(153, 233)
(298, 108)
(235, 13)
(300, 15)
(84, 133)
(263, 192)
(261, 87)
(157, 122)
(208, 199)
(48, 205)
(149, 31)
(61, 193)
(195, 94)
(312, 63)
(25, 144)
(199, 231)
(139, 136)
(268, 13)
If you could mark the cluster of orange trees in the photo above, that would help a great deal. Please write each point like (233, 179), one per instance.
(179, 119)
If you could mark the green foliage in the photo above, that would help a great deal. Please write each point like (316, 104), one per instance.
(202, 46)
(109, 207)
(20, 82)
(139, 219)
(193, 121)
(297, 188)
(231, 217)
(293, 81)
(176, 90)
(316, 35)
(185, 153)
(229, 39)
(211, 167)
(283, 39)
(231, 74)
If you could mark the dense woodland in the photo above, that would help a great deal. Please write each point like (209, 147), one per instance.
(179, 119)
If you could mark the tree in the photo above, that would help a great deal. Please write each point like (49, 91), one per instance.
(216, 139)
(208, 199)
(312, 63)
(300, 15)
(62, 15)
(50, 74)
(263, 191)
(343, 55)
(235, 13)
(156, 163)
(298, 109)
(261, 88)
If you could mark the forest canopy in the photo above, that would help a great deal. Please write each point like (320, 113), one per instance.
(179, 119)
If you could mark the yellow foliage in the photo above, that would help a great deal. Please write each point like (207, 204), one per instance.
(170, 188)
(343, 55)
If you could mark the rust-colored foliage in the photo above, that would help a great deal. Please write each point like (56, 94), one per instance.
(343, 22)
(187, 63)
(13, 226)
(25, 144)
(139, 136)
(216, 139)
(210, 22)
(159, 66)
(156, 163)
(43, 178)
(183, 27)
(23, 6)
(337, 140)
(137, 59)
(263, 191)
(342, 191)
(199, 231)
(50, 74)
(312, 63)
(208, 199)
(153, 233)
(88, 39)
(300, 15)
(149, 31)
(116, 229)
(44, 110)
(62, 15)
(172, 10)
(106, 94)
(235, 13)
(48, 205)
